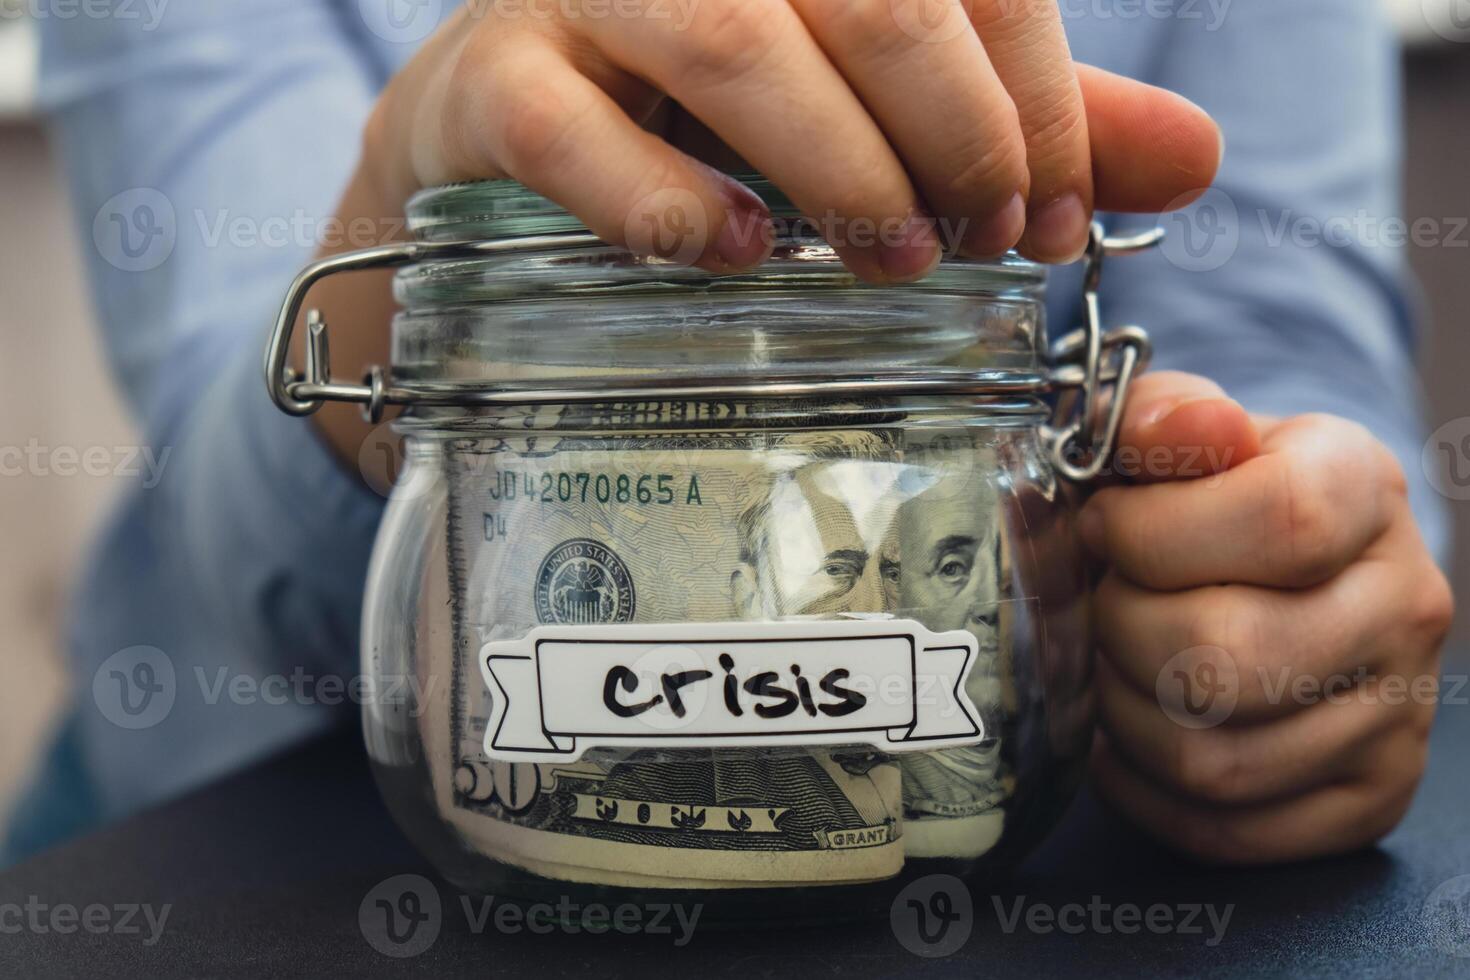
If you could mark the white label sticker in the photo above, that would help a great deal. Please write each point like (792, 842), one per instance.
(892, 684)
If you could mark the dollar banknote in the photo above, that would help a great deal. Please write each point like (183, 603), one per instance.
(738, 525)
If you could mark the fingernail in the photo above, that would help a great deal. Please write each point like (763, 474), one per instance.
(1161, 411)
(1090, 530)
(1158, 411)
(1057, 233)
(746, 239)
(999, 233)
(912, 253)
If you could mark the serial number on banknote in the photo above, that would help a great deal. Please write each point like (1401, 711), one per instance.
(580, 487)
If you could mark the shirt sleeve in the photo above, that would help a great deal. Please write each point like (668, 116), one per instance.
(205, 148)
(1287, 282)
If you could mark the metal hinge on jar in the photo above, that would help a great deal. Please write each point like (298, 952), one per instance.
(1089, 360)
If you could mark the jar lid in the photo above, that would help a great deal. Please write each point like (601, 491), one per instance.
(592, 310)
(495, 210)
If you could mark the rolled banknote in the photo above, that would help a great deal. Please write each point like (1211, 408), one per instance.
(748, 526)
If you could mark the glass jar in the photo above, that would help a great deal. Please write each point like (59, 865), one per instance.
(759, 590)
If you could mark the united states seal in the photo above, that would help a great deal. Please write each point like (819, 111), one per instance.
(583, 581)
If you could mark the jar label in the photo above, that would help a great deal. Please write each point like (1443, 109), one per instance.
(892, 684)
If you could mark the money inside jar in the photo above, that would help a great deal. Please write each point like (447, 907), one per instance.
(705, 528)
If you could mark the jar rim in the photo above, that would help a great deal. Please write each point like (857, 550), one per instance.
(489, 210)
(544, 310)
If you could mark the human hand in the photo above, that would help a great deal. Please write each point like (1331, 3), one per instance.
(1269, 628)
(869, 114)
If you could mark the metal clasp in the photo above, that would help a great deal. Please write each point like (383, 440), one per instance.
(303, 396)
(1083, 440)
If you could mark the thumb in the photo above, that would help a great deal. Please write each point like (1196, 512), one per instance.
(1181, 426)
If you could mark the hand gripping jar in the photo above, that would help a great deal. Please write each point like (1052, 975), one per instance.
(759, 590)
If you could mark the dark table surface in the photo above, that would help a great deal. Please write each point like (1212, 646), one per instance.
(264, 875)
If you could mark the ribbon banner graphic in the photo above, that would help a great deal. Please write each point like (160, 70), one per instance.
(891, 684)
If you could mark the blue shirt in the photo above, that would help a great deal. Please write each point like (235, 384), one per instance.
(228, 129)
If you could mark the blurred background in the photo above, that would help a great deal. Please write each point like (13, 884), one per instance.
(58, 394)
